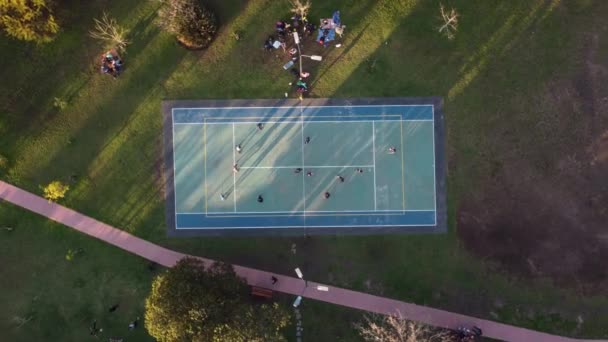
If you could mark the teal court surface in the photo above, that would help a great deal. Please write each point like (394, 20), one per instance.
(247, 167)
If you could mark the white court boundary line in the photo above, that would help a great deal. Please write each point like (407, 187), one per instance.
(302, 123)
(233, 173)
(290, 122)
(303, 179)
(434, 170)
(303, 226)
(307, 211)
(174, 172)
(303, 107)
(374, 158)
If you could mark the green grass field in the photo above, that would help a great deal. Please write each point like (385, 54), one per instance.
(107, 142)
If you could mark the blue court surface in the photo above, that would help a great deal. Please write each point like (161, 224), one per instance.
(319, 166)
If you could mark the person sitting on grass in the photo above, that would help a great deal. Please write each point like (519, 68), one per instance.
(302, 86)
(111, 64)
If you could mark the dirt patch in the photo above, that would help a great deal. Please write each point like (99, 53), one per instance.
(543, 211)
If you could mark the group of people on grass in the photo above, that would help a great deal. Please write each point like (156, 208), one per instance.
(327, 32)
(111, 63)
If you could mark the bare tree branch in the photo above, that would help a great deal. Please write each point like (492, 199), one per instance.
(395, 328)
(110, 33)
(450, 22)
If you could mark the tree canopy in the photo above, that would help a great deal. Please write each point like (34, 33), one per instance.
(29, 20)
(192, 303)
(194, 25)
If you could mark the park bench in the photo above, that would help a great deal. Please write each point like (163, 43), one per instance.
(261, 292)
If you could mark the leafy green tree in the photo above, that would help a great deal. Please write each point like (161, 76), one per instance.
(55, 190)
(192, 303)
(194, 25)
(29, 20)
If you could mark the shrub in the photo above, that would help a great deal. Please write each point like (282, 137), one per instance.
(29, 20)
(194, 25)
(3, 162)
(60, 103)
(55, 190)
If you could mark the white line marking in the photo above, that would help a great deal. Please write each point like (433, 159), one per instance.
(285, 122)
(305, 166)
(307, 211)
(304, 107)
(174, 173)
(374, 157)
(233, 173)
(302, 226)
(434, 170)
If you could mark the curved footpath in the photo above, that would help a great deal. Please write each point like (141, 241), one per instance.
(295, 286)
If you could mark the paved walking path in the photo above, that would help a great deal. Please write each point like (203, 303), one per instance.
(285, 284)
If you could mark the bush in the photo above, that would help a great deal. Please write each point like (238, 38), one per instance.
(194, 25)
(55, 190)
(3, 162)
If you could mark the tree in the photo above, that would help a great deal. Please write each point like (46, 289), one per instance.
(192, 303)
(194, 25)
(449, 22)
(55, 190)
(395, 328)
(110, 33)
(29, 20)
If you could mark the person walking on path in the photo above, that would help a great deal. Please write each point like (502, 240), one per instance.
(274, 280)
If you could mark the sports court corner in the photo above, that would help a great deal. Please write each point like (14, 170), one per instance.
(317, 166)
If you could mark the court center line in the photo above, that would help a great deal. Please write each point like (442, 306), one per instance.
(306, 166)
(374, 157)
(233, 173)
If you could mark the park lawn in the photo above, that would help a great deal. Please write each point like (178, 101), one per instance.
(49, 298)
(106, 143)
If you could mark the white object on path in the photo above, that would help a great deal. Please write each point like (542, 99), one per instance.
(299, 273)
